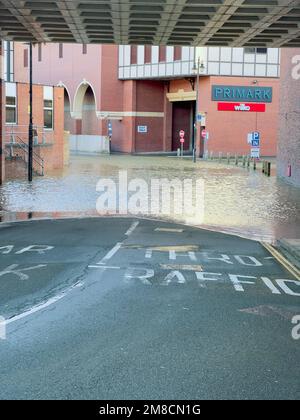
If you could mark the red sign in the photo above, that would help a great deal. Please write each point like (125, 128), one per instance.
(204, 133)
(182, 140)
(241, 107)
(181, 133)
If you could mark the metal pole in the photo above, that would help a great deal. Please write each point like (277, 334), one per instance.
(196, 113)
(30, 134)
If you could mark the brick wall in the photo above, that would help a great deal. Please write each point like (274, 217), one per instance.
(228, 130)
(53, 151)
(2, 111)
(289, 127)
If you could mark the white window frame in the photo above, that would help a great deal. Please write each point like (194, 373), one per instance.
(11, 92)
(48, 96)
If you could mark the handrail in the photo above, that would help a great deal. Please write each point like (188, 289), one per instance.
(41, 134)
(35, 157)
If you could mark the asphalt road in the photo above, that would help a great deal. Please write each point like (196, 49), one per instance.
(127, 309)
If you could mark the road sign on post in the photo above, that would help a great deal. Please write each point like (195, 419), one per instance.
(204, 134)
(182, 140)
(255, 152)
(109, 129)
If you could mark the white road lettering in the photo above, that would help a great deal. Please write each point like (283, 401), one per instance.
(6, 249)
(135, 274)
(237, 283)
(40, 249)
(203, 277)
(271, 286)
(253, 262)
(224, 258)
(174, 277)
(12, 269)
(282, 283)
(148, 254)
(191, 255)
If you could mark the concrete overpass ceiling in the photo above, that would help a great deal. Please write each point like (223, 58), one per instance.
(238, 23)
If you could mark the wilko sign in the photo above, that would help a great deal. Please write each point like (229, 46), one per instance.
(242, 107)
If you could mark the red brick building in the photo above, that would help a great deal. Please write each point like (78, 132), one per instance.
(48, 112)
(149, 94)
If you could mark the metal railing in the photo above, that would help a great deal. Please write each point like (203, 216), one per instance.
(19, 145)
(41, 136)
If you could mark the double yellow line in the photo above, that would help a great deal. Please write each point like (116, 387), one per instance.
(282, 260)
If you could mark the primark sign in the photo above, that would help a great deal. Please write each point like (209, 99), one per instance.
(242, 94)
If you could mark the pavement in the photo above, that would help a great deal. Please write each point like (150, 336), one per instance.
(119, 308)
(291, 249)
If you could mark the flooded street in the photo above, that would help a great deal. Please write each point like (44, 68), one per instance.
(236, 200)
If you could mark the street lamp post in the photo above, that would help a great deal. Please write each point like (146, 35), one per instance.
(197, 69)
(30, 134)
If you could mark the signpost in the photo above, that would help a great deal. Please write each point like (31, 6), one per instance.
(254, 141)
(182, 140)
(255, 152)
(109, 129)
(204, 134)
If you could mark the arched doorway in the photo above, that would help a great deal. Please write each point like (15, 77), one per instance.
(90, 123)
(68, 122)
(87, 138)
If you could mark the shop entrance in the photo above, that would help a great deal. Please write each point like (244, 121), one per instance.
(183, 119)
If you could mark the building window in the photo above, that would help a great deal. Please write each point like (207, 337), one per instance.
(40, 52)
(8, 60)
(133, 57)
(61, 50)
(48, 108)
(11, 110)
(11, 103)
(84, 49)
(252, 50)
(261, 50)
(162, 54)
(26, 58)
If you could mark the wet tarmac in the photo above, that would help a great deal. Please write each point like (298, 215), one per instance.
(237, 200)
(124, 309)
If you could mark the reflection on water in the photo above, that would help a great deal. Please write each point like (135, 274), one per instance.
(237, 201)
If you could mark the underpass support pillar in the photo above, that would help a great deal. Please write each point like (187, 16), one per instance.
(289, 127)
(2, 116)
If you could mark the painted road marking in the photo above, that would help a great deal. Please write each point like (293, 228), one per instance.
(111, 253)
(43, 305)
(282, 260)
(271, 286)
(40, 249)
(169, 230)
(13, 269)
(105, 267)
(181, 267)
(132, 228)
(237, 280)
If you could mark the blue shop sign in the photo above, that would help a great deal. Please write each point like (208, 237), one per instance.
(242, 94)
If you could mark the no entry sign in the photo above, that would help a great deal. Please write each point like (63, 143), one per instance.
(182, 134)
(204, 134)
